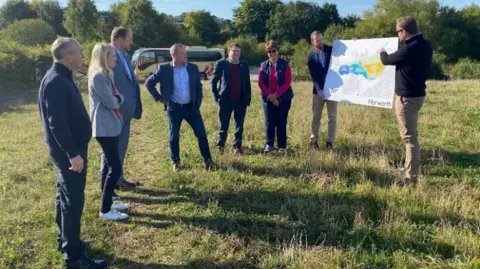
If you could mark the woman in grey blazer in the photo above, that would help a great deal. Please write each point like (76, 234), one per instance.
(105, 102)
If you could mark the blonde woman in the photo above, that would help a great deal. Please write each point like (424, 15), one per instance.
(105, 102)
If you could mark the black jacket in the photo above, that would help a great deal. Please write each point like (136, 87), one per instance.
(412, 65)
(222, 73)
(318, 73)
(64, 118)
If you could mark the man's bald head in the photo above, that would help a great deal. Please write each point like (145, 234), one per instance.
(68, 52)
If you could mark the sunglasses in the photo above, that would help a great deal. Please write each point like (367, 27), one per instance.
(398, 31)
(271, 51)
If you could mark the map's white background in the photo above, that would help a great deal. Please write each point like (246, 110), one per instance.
(353, 88)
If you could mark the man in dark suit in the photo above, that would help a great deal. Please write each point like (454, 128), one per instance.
(318, 63)
(127, 85)
(68, 131)
(181, 92)
(234, 95)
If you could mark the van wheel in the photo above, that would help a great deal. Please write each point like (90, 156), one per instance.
(203, 76)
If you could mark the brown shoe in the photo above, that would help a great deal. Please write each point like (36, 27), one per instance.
(238, 151)
(314, 145)
(405, 182)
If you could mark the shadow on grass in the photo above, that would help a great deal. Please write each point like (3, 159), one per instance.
(305, 171)
(344, 220)
(396, 155)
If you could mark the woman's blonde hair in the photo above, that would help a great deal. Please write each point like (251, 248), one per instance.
(98, 61)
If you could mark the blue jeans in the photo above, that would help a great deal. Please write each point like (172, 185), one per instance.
(276, 122)
(239, 110)
(191, 114)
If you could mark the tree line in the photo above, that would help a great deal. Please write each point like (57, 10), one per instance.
(454, 33)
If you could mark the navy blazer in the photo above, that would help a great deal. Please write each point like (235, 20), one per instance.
(165, 76)
(318, 73)
(222, 74)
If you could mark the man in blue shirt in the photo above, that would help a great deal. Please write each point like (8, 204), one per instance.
(181, 92)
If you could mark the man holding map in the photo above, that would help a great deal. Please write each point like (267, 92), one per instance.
(318, 64)
(412, 64)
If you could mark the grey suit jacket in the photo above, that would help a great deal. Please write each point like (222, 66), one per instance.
(105, 122)
(132, 107)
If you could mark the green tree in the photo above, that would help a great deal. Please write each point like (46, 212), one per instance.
(82, 20)
(471, 27)
(30, 32)
(296, 20)
(351, 20)
(15, 10)
(150, 29)
(51, 12)
(202, 24)
(250, 19)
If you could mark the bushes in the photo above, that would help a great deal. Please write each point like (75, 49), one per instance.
(252, 51)
(30, 32)
(18, 62)
(466, 69)
(298, 61)
(437, 70)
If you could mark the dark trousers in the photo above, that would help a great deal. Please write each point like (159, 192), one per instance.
(122, 146)
(69, 202)
(111, 170)
(276, 122)
(239, 110)
(191, 114)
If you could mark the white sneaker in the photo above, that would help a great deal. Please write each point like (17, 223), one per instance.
(282, 151)
(119, 206)
(268, 149)
(113, 216)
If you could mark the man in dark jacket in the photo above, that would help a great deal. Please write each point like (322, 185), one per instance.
(234, 95)
(412, 64)
(318, 63)
(67, 131)
(181, 92)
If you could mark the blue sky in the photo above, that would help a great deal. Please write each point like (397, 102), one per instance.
(223, 8)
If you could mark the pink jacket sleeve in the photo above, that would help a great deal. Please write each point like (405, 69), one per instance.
(261, 83)
(288, 81)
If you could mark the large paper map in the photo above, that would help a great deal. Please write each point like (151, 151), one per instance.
(357, 75)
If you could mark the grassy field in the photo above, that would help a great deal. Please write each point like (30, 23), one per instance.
(303, 210)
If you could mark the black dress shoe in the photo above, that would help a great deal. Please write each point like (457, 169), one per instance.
(329, 146)
(86, 263)
(209, 165)
(125, 184)
(314, 145)
(238, 151)
(220, 149)
(83, 245)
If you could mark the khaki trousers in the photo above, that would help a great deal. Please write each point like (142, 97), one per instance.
(317, 108)
(406, 109)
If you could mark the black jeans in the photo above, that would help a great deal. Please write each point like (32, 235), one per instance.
(111, 170)
(239, 110)
(276, 121)
(69, 202)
